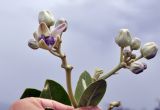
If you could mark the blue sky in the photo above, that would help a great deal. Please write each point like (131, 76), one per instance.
(88, 43)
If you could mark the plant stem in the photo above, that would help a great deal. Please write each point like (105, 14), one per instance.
(139, 57)
(69, 88)
(121, 54)
(68, 68)
(113, 71)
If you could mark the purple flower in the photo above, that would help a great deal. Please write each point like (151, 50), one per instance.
(49, 40)
(137, 67)
(45, 38)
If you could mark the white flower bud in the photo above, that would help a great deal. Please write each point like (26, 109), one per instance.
(127, 52)
(133, 56)
(115, 104)
(33, 44)
(149, 50)
(46, 17)
(137, 67)
(124, 38)
(135, 44)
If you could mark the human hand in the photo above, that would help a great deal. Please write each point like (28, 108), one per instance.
(41, 104)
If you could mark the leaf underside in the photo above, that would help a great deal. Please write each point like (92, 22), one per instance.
(54, 91)
(93, 94)
(83, 82)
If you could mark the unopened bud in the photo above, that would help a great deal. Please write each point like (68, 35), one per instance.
(114, 104)
(97, 73)
(61, 21)
(137, 67)
(127, 52)
(133, 56)
(33, 44)
(149, 50)
(135, 44)
(124, 38)
(46, 17)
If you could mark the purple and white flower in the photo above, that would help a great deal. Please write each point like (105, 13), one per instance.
(137, 67)
(45, 38)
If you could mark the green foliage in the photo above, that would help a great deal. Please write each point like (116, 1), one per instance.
(93, 94)
(54, 91)
(30, 92)
(83, 82)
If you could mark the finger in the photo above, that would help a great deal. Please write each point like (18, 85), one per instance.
(88, 108)
(46, 103)
(26, 104)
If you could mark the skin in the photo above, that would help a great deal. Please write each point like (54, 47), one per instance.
(40, 104)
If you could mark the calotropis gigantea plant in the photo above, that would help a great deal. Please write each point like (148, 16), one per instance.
(90, 90)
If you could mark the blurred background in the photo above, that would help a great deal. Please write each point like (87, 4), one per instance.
(88, 43)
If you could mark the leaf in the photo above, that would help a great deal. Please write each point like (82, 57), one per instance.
(83, 82)
(30, 92)
(93, 94)
(54, 91)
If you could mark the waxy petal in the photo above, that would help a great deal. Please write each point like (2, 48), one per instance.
(57, 43)
(59, 29)
(46, 17)
(43, 45)
(36, 37)
(33, 44)
(61, 21)
(43, 30)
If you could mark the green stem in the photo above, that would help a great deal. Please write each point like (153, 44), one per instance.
(121, 54)
(68, 68)
(69, 88)
(113, 71)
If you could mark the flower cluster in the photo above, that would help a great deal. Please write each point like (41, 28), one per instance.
(49, 32)
(128, 44)
(49, 37)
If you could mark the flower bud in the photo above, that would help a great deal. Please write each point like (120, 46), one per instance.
(127, 52)
(135, 44)
(149, 50)
(133, 56)
(61, 21)
(46, 17)
(137, 67)
(124, 39)
(33, 44)
(97, 74)
(115, 104)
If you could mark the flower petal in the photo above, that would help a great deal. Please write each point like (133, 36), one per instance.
(43, 45)
(59, 29)
(60, 21)
(43, 29)
(35, 35)
(33, 44)
(57, 43)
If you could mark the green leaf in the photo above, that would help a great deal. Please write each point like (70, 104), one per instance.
(54, 91)
(83, 82)
(30, 92)
(93, 94)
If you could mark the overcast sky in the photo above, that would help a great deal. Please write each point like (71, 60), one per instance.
(88, 43)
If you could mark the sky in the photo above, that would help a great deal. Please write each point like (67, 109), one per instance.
(88, 43)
